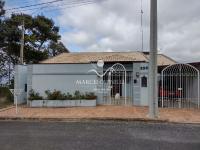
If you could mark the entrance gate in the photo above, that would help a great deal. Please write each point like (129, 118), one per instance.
(115, 85)
(179, 87)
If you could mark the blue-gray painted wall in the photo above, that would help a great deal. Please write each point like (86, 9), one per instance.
(19, 83)
(63, 77)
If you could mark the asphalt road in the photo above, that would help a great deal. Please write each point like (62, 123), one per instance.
(97, 135)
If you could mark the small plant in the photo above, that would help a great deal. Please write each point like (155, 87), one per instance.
(77, 95)
(69, 96)
(55, 95)
(34, 95)
(58, 95)
(90, 96)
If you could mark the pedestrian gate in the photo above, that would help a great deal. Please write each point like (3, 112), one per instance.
(179, 86)
(115, 85)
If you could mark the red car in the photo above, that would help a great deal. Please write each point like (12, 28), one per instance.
(168, 93)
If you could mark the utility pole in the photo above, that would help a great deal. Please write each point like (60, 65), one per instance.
(142, 31)
(153, 81)
(9, 82)
(22, 45)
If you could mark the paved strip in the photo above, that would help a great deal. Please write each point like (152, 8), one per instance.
(98, 135)
(7, 108)
(102, 112)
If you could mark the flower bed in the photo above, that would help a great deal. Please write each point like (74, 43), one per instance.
(63, 103)
(58, 99)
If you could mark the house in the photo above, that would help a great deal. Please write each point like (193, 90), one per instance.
(115, 77)
(195, 64)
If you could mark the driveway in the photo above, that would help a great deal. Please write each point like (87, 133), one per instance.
(98, 135)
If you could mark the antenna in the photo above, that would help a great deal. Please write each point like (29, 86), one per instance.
(142, 31)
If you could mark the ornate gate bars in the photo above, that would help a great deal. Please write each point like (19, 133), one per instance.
(116, 86)
(179, 86)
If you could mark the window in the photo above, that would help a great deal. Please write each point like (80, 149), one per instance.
(135, 81)
(144, 81)
(25, 87)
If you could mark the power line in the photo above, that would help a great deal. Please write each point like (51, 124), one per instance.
(19, 2)
(41, 8)
(33, 5)
(70, 4)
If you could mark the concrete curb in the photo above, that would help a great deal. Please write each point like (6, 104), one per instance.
(4, 109)
(82, 119)
(94, 119)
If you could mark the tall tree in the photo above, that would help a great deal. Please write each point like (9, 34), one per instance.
(2, 58)
(2, 11)
(56, 48)
(39, 32)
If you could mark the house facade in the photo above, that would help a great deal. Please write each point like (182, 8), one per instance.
(116, 78)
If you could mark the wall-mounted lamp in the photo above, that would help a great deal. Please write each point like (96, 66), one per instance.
(137, 74)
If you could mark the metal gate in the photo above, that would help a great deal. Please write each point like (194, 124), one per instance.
(115, 85)
(179, 87)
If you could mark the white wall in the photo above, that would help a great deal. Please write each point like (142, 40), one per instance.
(140, 94)
(20, 79)
(62, 77)
(64, 83)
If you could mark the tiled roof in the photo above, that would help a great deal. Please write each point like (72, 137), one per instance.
(88, 57)
(163, 60)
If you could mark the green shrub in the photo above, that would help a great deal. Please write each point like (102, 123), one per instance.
(55, 95)
(69, 96)
(58, 95)
(77, 95)
(5, 93)
(90, 96)
(34, 95)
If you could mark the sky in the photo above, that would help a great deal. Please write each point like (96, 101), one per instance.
(115, 25)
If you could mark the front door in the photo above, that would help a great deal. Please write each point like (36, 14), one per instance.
(116, 85)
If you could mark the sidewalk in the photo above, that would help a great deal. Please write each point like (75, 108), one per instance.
(103, 112)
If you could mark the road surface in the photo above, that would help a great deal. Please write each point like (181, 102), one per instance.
(97, 135)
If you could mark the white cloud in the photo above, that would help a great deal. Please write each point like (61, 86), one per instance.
(114, 25)
(109, 24)
(179, 34)
(77, 37)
